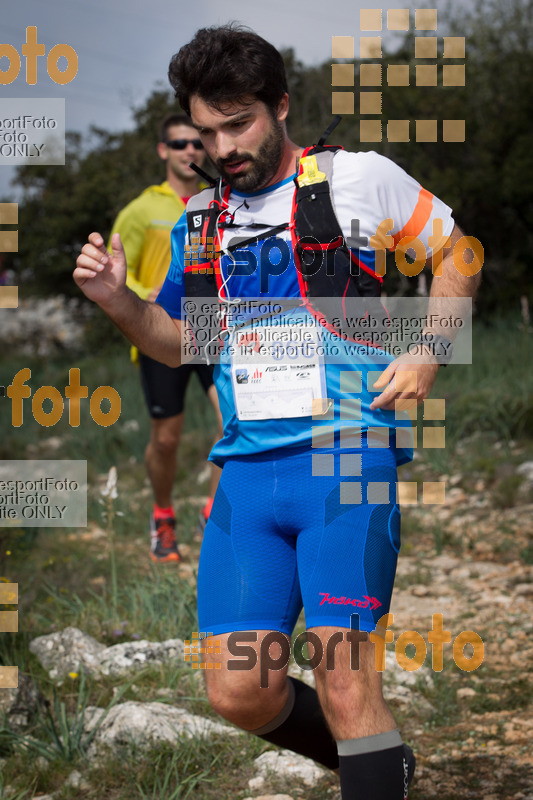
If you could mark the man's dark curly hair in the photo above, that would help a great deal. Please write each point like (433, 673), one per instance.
(226, 64)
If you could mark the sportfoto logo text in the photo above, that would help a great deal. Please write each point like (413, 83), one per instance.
(203, 646)
(31, 51)
(75, 392)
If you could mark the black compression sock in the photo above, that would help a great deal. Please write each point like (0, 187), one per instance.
(374, 767)
(300, 726)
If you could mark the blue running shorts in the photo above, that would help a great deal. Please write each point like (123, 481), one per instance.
(289, 530)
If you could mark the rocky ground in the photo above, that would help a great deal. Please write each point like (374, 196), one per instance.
(472, 731)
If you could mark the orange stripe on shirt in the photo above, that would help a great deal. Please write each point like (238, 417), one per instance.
(419, 217)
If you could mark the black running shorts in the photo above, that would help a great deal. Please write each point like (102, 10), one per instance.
(164, 387)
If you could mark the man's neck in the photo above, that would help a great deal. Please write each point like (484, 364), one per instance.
(288, 163)
(181, 187)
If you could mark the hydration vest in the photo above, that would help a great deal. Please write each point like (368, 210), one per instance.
(329, 273)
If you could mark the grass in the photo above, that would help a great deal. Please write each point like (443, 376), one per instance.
(443, 697)
(59, 734)
(513, 695)
(141, 609)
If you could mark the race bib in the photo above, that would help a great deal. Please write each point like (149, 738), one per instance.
(277, 371)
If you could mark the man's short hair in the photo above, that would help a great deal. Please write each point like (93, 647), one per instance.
(223, 65)
(169, 121)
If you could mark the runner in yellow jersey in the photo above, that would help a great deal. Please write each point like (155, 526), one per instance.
(144, 226)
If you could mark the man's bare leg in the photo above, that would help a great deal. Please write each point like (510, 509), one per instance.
(215, 471)
(287, 713)
(372, 755)
(373, 761)
(160, 460)
(160, 457)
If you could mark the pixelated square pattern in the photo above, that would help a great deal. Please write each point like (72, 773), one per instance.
(322, 464)
(378, 492)
(398, 75)
(350, 437)
(370, 19)
(350, 493)
(370, 130)
(398, 19)
(322, 436)
(426, 74)
(350, 408)
(453, 75)
(425, 47)
(435, 408)
(342, 103)
(434, 437)
(406, 380)
(454, 47)
(322, 407)
(370, 75)
(370, 47)
(426, 130)
(426, 19)
(371, 378)
(406, 437)
(9, 241)
(342, 46)
(9, 593)
(398, 130)
(9, 296)
(199, 645)
(453, 130)
(342, 75)
(405, 405)
(433, 492)
(9, 213)
(350, 464)
(370, 103)
(407, 493)
(9, 677)
(9, 621)
(377, 437)
(350, 382)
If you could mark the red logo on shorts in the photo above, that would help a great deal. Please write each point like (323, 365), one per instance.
(368, 602)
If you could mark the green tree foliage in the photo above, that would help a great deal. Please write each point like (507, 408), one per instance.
(62, 205)
(486, 179)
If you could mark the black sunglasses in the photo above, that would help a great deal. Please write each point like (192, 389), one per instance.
(181, 144)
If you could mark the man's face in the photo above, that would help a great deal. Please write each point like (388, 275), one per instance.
(245, 142)
(178, 160)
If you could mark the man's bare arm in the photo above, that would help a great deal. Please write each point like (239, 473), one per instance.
(102, 278)
(448, 283)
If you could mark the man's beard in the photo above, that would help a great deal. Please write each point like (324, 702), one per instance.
(263, 166)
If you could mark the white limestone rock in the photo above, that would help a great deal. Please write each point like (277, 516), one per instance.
(289, 765)
(145, 723)
(65, 651)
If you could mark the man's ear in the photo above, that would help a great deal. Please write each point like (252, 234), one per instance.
(283, 108)
(162, 151)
